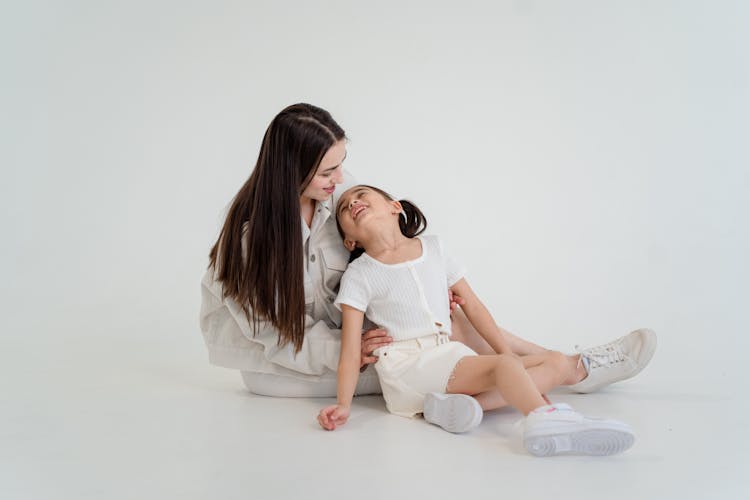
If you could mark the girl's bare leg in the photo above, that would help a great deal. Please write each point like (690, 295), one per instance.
(502, 372)
(546, 370)
(463, 331)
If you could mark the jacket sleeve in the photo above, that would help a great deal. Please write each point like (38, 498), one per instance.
(232, 343)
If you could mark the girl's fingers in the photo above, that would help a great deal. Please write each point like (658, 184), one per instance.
(331, 416)
(325, 413)
(325, 423)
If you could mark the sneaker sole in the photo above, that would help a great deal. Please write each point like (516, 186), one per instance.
(455, 413)
(595, 442)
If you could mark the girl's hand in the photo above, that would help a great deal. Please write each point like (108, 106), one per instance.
(332, 416)
(455, 300)
(371, 340)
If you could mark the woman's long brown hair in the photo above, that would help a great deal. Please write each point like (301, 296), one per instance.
(258, 256)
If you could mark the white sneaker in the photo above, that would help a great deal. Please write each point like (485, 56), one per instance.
(453, 412)
(620, 359)
(559, 430)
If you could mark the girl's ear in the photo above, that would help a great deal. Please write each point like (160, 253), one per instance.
(350, 245)
(397, 208)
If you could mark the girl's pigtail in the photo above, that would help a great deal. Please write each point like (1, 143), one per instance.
(412, 222)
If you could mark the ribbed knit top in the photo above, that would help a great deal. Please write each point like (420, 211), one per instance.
(408, 299)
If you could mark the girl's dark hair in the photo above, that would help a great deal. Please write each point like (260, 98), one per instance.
(412, 221)
(258, 256)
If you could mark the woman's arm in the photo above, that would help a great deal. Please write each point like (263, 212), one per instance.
(480, 317)
(348, 369)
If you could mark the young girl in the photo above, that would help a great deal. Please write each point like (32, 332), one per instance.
(400, 281)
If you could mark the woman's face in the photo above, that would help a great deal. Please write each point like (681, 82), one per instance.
(330, 172)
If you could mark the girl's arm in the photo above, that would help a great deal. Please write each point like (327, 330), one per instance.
(348, 369)
(480, 318)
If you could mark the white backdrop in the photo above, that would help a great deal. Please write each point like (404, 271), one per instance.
(588, 160)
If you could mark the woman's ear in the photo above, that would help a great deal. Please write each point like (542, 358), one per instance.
(350, 245)
(397, 208)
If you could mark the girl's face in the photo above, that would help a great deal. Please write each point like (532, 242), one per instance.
(361, 209)
(330, 172)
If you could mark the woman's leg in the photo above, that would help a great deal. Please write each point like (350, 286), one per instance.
(463, 331)
(502, 372)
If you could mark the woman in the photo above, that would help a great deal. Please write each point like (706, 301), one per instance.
(267, 306)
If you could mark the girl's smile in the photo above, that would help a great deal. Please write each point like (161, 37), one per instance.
(355, 208)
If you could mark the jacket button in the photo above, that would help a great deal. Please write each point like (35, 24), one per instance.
(312, 258)
(331, 298)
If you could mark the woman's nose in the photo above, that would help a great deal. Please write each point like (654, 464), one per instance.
(338, 175)
(353, 202)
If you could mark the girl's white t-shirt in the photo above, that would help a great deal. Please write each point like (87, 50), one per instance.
(408, 299)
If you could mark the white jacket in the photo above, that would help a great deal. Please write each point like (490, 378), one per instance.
(229, 336)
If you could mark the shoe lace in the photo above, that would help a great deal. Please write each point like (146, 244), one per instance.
(604, 355)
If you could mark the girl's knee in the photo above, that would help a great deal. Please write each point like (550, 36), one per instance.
(507, 361)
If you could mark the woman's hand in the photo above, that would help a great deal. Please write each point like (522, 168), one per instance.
(333, 416)
(455, 300)
(371, 340)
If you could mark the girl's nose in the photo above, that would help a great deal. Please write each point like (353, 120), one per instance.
(353, 202)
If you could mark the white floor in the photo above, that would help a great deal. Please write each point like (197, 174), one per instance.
(116, 416)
